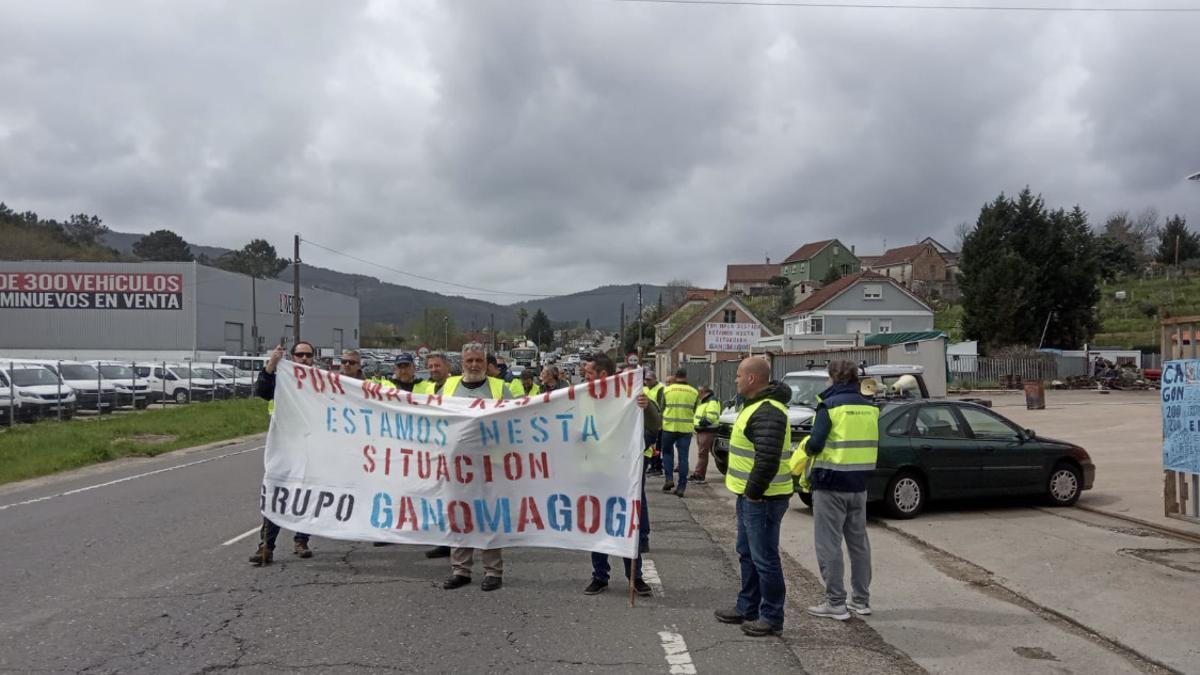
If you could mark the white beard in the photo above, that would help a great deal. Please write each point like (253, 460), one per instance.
(472, 378)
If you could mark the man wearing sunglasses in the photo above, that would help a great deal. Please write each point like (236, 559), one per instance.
(302, 353)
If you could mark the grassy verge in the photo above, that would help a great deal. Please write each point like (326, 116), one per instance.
(32, 450)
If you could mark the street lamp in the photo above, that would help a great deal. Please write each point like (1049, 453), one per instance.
(1195, 176)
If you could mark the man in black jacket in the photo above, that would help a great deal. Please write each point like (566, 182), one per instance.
(758, 473)
(264, 387)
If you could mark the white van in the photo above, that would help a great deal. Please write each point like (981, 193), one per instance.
(91, 391)
(40, 392)
(172, 382)
(243, 380)
(131, 389)
(251, 364)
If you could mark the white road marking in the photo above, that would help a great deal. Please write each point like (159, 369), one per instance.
(242, 536)
(127, 478)
(650, 576)
(676, 650)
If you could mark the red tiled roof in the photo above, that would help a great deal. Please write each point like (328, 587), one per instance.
(808, 251)
(704, 294)
(829, 291)
(868, 260)
(751, 273)
(904, 254)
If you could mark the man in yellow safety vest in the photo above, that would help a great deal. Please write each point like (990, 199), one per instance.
(842, 450)
(653, 389)
(708, 413)
(758, 473)
(679, 401)
(439, 370)
(475, 383)
(524, 385)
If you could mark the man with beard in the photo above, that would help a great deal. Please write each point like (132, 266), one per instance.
(475, 383)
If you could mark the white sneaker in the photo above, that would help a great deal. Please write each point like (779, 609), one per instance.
(829, 611)
(861, 610)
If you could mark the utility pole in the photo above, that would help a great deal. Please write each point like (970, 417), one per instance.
(446, 328)
(641, 321)
(493, 322)
(1177, 250)
(621, 347)
(254, 348)
(296, 294)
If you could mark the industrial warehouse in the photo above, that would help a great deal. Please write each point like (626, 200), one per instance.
(159, 311)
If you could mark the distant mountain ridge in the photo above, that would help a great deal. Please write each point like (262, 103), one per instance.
(383, 302)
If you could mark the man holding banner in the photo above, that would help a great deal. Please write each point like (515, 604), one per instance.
(475, 383)
(599, 367)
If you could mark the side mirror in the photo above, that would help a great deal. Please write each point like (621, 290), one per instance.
(1028, 435)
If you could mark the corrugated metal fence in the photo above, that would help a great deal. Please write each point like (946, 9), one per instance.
(981, 372)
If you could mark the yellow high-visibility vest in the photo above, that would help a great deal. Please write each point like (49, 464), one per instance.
(426, 387)
(679, 407)
(495, 384)
(741, 455)
(517, 387)
(708, 410)
(853, 442)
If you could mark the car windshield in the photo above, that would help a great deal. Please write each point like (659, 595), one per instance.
(118, 372)
(32, 377)
(206, 373)
(805, 389)
(78, 372)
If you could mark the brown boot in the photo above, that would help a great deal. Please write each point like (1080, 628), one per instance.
(302, 549)
(262, 556)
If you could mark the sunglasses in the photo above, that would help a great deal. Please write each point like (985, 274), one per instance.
(302, 355)
(349, 363)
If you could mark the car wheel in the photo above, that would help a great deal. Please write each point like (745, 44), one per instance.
(1064, 485)
(905, 496)
(181, 396)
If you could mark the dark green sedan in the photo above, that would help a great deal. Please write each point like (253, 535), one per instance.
(951, 449)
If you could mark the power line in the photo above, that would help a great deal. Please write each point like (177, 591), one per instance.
(476, 289)
(894, 6)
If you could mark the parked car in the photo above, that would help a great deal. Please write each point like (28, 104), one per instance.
(892, 382)
(241, 380)
(40, 392)
(172, 382)
(132, 391)
(10, 405)
(252, 364)
(951, 449)
(91, 391)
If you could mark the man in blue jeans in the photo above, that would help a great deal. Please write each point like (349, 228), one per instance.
(758, 473)
(679, 401)
(601, 366)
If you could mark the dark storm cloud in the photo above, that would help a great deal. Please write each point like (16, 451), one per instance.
(550, 146)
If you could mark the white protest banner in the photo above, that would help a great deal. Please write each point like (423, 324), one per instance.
(347, 459)
(730, 337)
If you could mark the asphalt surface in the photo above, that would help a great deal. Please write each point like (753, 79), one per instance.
(123, 568)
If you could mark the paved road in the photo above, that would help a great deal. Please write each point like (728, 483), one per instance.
(122, 569)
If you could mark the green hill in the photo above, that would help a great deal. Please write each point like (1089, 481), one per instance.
(1133, 322)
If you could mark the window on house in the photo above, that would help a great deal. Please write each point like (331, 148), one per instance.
(803, 267)
(873, 292)
(885, 325)
(731, 316)
(816, 325)
(836, 251)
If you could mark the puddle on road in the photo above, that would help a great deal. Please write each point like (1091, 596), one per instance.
(1182, 559)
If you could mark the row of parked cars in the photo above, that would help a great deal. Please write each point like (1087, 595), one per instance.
(32, 389)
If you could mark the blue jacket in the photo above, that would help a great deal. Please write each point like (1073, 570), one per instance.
(824, 479)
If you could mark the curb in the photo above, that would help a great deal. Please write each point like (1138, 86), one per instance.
(1181, 534)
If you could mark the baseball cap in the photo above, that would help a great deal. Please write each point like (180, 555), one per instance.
(404, 358)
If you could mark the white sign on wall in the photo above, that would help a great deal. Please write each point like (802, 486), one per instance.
(730, 337)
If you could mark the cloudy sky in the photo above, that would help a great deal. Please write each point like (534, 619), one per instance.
(550, 146)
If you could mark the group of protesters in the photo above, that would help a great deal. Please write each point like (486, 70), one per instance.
(835, 461)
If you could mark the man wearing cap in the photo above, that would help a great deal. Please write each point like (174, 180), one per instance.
(405, 376)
